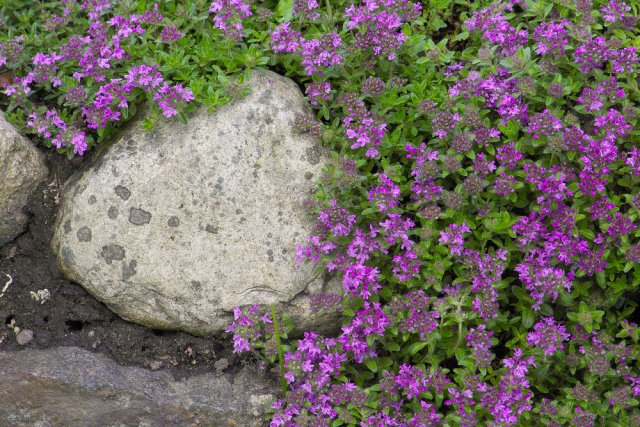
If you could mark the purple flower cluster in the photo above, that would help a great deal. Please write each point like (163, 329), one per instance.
(479, 339)
(284, 39)
(386, 194)
(94, 56)
(495, 28)
(453, 237)
(318, 92)
(306, 8)
(376, 25)
(548, 335)
(552, 37)
(410, 314)
(229, 15)
(363, 128)
(54, 128)
(322, 52)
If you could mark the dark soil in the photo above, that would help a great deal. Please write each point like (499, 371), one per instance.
(72, 317)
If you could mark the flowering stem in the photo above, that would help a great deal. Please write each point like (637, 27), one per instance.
(276, 332)
(459, 335)
(330, 13)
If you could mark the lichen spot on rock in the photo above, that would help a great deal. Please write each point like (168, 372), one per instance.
(84, 234)
(139, 216)
(173, 221)
(129, 270)
(112, 253)
(112, 213)
(123, 192)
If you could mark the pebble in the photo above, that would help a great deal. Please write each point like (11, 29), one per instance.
(221, 364)
(155, 365)
(24, 337)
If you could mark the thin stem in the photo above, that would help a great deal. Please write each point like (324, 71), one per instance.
(276, 332)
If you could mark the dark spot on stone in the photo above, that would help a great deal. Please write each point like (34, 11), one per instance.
(114, 171)
(251, 115)
(112, 253)
(266, 97)
(92, 199)
(123, 192)
(129, 270)
(313, 155)
(308, 175)
(279, 213)
(196, 285)
(68, 257)
(275, 142)
(270, 254)
(268, 120)
(84, 234)
(211, 229)
(139, 216)
(67, 226)
(238, 211)
(173, 221)
(242, 219)
(269, 235)
(284, 251)
(112, 213)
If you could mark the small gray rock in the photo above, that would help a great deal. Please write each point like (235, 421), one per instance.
(24, 337)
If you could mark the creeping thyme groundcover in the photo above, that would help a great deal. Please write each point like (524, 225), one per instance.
(481, 206)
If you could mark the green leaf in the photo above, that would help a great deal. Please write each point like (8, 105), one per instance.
(527, 318)
(371, 364)
(416, 347)
(284, 10)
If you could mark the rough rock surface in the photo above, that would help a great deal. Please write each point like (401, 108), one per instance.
(172, 229)
(22, 168)
(68, 386)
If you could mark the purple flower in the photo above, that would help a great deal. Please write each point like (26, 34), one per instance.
(542, 282)
(361, 280)
(229, 15)
(504, 184)
(548, 335)
(322, 52)
(284, 39)
(543, 123)
(495, 28)
(453, 237)
(552, 37)
(386, 194)
(624, 60)
(593, 54)
(614, 11)
(306, 8)
(508, 156)
(376, 25)
(169, 34)
(317, 91)
(363, 128)
(633, 160)
(410, 314)
(479, 339)
(169, 98)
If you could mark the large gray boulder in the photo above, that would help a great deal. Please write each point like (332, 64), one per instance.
(71, 387)
(22, 169)
(172, 229)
